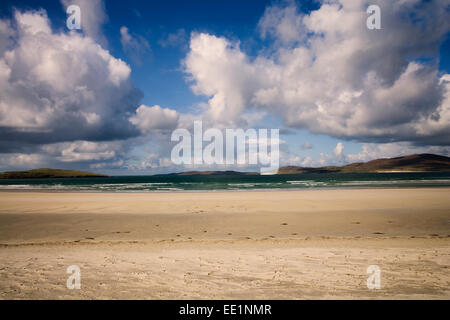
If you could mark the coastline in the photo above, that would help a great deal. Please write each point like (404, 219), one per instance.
(207, 183)
(75, 191)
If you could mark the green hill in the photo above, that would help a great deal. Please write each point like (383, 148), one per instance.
(412, 163)
(48, 173)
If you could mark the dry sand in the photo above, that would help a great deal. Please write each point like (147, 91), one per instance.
(226, 245)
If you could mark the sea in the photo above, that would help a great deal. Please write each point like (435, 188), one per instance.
(193, 183)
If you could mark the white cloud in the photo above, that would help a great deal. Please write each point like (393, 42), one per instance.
(76, 154)
(61, 87)
(81, 151)
(339, 149)
(222, 72)
(11, 161)
(341, 80)
(148, 119)
(32, 24)
(154, 161)
(108, 165)
(284, 24)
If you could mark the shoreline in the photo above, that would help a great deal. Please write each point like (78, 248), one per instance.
(73, 191)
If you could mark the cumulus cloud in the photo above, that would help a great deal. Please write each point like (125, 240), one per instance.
(83, 151)
(152, 161)
(339, 149)
(61, 87)
(148, 119)
(329, 74)
(76, 154)
(11, 161)
(221, 71)
(135, 46)
(283, 24)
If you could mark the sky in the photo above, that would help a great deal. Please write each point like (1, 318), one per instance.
(107, 97)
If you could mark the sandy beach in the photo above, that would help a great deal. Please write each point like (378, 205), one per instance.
(312, 244)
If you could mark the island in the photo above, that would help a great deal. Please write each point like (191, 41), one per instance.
(45, 173)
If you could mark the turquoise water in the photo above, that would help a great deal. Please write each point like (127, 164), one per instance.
(169, 183)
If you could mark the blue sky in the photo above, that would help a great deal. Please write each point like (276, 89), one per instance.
(264, 38)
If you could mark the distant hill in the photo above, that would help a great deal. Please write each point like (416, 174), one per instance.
(415, 163)
(48, 173)
(412, 163)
